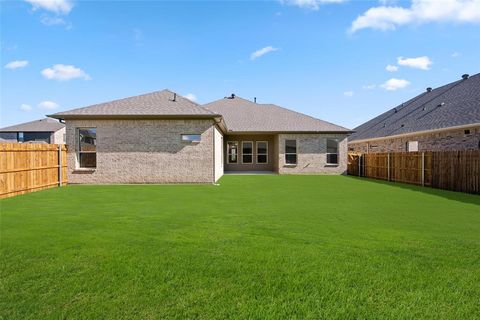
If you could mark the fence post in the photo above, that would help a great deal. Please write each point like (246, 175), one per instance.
(388, 166)
(423, 169)
(59, 165)
(359, 164)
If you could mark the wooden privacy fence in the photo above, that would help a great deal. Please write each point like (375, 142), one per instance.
(450, 170)
(31, 167)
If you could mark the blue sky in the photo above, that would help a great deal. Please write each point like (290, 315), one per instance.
(326, 58)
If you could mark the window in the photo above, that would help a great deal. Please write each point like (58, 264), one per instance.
(247, 151)
(412, 146)
(87, 147)
(291, 151)
(262, 152)
(20, 137)
(191, 138)
(332, 151)
(232, 152)
(466, 132)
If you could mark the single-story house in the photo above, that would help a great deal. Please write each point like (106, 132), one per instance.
(46, 130)
(444, 118)
(162, 137)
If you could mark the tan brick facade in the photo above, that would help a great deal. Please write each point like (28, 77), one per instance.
(311, 154)
(467, 138)
(144, 151)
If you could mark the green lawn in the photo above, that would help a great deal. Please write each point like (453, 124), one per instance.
(255, 247)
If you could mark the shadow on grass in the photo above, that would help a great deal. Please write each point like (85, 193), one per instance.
(451, 195)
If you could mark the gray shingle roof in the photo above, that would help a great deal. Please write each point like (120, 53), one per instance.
(241, 115)
(454, 104)
(42, 125)
(159, 103)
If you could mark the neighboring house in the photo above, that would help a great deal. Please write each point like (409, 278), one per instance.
(162, 137)
(46, 130)
(445, 118)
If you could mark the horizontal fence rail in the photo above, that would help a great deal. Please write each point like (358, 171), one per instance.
(31, 167)
(449, 170)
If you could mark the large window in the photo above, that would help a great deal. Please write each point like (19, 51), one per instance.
(262, 152)
(247, 151)
(291, 151)
(87, 147)
(232, 152)
(332, 151)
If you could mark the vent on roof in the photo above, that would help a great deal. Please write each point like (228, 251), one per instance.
(174, 97)
(384, 125)
(441, 104)
(255, 99)
(395, 110)
(232, 96)
(429, 89)
(402, 125)
(465, 76)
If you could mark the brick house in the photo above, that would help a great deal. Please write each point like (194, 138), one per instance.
(44, 130)
(162, 137)
(445, 118)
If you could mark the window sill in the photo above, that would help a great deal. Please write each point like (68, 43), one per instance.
(83, 170)
(332, 165)
(290, 165)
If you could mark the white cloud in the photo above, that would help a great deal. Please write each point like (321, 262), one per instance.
(420, 11)
(423, 62)
(57, 6)
(262, 52)
(16, 64)
(348, 93)
(394, 84)
(54, 21)
(310, 4)
(63, 72)
(48, 105)
(369, 87)
(456, 54)
(191, 96)
(25, 107)
(391, 68)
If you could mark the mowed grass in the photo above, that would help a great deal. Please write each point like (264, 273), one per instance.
(255, 247)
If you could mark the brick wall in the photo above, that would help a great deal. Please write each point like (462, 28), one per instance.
(144, 151)
(311, 154)
(456, 139)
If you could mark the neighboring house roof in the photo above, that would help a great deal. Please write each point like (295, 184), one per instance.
(241, 115)
(451, 105)
(163, 103)
(42, 125)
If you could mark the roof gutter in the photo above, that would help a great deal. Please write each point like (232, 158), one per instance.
(290, 132)
(415, 133)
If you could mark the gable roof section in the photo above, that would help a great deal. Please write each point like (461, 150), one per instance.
(241, 115)
(155, 104)
(454, 104)
(42, 125)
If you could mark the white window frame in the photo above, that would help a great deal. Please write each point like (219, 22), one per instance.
(261, 154)
(77, 132)
(228, 152)
(328, 153)
(290, 153)
(248, 154)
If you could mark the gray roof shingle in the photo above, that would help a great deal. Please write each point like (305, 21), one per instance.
(454, 104)
(158, 103)
(241, 115)
(42, 125)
